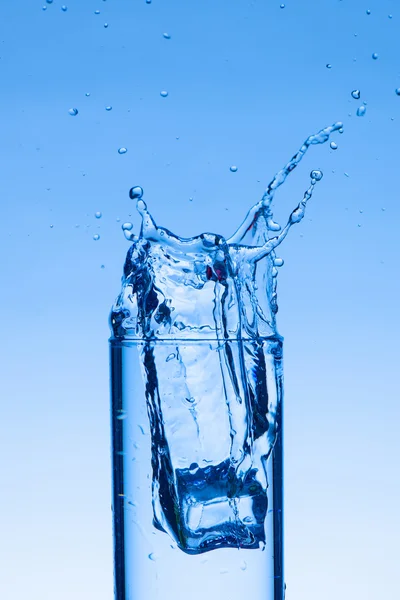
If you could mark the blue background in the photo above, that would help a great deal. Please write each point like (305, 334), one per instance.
(247, 83)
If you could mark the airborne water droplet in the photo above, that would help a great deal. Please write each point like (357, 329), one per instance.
(122, 150)
(87, 94)
(233, 169)
(356, 94)
(316, 174)
(105, 25)
(334, 145)
(329, 66)
(361, 110)
(368, 11)
(164, 93)
(96, 237)
(397, 91)
(282, 5)
(166, 36)
(98, 214)
(127, 226)
(108, 108)
(73, 112)
(279, 262)
(152, 556)
(148, 1)
(97, 12)
(64, 8)
(136, 192)
(375, 56)
(49, 1)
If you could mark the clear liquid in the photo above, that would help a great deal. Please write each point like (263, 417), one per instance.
(202, 508)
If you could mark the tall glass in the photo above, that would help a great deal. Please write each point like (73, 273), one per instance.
(186, 525)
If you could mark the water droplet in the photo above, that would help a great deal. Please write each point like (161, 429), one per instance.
(233, 169)
(341, 130)
(361, 110)
(96, 237)
(87, 94)
(105, 25)
(166, 36)
(390, 16)
(164, 93)
(316, 174)
(346, 174)
(152, 556)
(329, 66)
(127, 226)
(243, 565)
(148, 1)
(356, 94)
(49, 1)
(282, 5)
(136, 192)
(190, 199)
(375, 56)
(122, 150)
(102, 267)
(44, 7)
(279, 262)
(51, 226)
(98, 215)
(398, 91)
(170, 357)
(108, 108)
(334, 145)
(97, 12)
(73, 112)
(368, 11)
(359, 225)
(64, 8)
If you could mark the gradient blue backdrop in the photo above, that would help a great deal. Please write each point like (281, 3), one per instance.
(247, 83)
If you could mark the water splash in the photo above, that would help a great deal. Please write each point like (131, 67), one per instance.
(212, 302)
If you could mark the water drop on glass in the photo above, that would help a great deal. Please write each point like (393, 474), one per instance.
(375, 56)
(316, 174)
(108, 108)
(122, 150)
(164, 93)
(96, 237)
(233, 169)
(98, 215)
(333, 145)
(136, 192)
(397, 91)
(73, 112)
(279, 262)
(329, 66)
(356, 94)
(361, 110)
(166, 36)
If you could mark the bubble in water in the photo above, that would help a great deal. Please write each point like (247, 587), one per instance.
(368, 11)
(98, 214)
(397, 90)
(356, 94)
(329, 66)
(164, 93)
(108, 108)
(73, 112)
(127, 226)
(334, 145)
(166, 36)
(361, 110)
(316, 174)
(64, 8)
(96, 237)
(279, 262)
(375, 56)
(233, 169)
(136, 192)
(122, 150)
